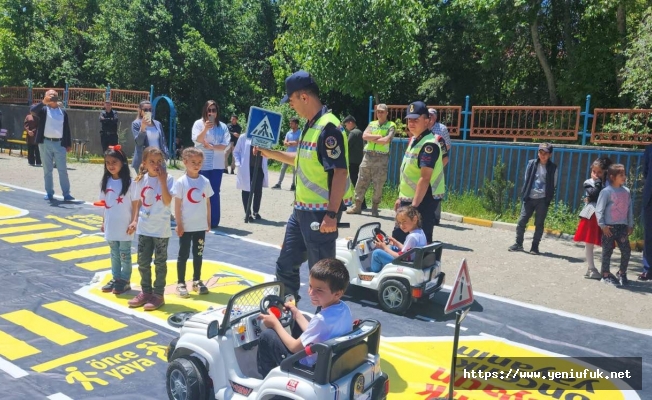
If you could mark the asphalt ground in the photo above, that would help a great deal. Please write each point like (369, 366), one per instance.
(56, 324)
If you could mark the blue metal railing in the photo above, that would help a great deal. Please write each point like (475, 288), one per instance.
(472, 162)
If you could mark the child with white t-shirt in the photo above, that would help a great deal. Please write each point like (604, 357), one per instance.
(192, 211)
(328, 281)
(154, 186)
(120, 203)
(408, 219)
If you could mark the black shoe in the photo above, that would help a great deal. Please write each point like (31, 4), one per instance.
(277, 186)
(121, 286)
(292, 188)
(535, 250)
(516, 247)
(257, 216)
(610, 280)
(109, 286)
(250, 219)
(622, 278)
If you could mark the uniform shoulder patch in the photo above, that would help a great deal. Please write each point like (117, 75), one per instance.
(334, 153)
(428, 148)
(330, 142)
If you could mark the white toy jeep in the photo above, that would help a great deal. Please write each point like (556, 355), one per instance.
(215, 357)
(400, 282)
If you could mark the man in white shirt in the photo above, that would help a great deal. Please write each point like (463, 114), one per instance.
(54, 141)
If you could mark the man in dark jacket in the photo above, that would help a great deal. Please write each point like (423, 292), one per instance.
(537, 194)
(109, 121)
(54, 141)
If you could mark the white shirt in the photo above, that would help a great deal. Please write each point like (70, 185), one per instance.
(153, 137)
(118, 209)
(194, 195)
(331, 322)
(53, 123)
(154, 216)
(416, 238)
(219, 134)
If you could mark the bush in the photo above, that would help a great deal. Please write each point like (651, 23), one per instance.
(495, 193)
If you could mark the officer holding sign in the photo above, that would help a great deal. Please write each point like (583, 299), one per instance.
(422, 171)
(323, 188)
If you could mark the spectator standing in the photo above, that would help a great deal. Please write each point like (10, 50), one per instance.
(235, 130)
(375, 161)
(647, 214)
(33, 154)
(537, 194)
(291, 141)
(147, 132)
(245, 161)
(441, 134)
(356, 146)
(109, 122)
(213, 138)
(54, 141)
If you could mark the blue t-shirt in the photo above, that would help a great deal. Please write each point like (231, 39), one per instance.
(293, 137)
(331, 322)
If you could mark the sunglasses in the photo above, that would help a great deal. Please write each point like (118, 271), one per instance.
(212, 110)
(147, 110)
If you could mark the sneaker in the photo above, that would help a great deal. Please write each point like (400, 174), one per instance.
(109, 286)
(140, 300)
(199, 287)
(48, 197)
(277, 186)
(182, 291)
(610, 280)
(622, 278)
(155, 302)
(121, 286)
(645, 276)
(516, 247)
(292, 188)
(68, 198)
(250, 219)
(535, 250)
(257, 216)
(593, 274)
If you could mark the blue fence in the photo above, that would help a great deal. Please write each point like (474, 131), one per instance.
(471, 163)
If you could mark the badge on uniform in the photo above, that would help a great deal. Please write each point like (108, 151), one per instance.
(428, 149)
(330, 142)
(335, 153)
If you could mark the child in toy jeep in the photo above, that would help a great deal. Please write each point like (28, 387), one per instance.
(328, 281)
(408, 220)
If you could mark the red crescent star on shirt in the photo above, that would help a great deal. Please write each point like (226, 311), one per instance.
(119, 199)
(158, 197)
(190, 199)
(143, 195)
(106, 194)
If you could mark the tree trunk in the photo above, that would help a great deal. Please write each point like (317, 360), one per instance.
(543, 61)
(621, 22)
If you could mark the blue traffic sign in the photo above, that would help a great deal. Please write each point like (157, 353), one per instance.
(263, 127)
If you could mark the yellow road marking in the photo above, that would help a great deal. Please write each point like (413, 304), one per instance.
(43, 327)
(73, 223)
(84, 316)
(7, 211)
(65, 243)
(27, 228)
(102, 264)
(71, 358)
(13, 349)
(40, 236)
(15, 221)
(74, 254)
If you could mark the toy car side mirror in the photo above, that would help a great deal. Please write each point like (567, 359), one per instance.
(213, 329)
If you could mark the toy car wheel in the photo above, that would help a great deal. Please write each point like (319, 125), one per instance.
(394, 297)
(187, 379)
(177, 320)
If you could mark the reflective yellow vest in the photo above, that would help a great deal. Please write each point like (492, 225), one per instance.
(382, 131)
(411, 173)
(312, 181)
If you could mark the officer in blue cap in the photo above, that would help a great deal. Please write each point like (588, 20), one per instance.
(422, 171)
(323, 189)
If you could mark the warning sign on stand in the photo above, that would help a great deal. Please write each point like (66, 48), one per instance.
(462, 293)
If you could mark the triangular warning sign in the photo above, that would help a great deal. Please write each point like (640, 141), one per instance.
(462, 293)
(263, 129)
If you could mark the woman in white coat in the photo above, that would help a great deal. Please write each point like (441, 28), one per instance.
(245, 162)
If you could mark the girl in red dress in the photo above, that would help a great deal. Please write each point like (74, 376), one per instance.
(588, 230)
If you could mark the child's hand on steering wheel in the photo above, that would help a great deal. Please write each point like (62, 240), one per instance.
(393, 241)
(380, 244)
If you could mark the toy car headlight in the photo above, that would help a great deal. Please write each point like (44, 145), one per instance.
(357, 386)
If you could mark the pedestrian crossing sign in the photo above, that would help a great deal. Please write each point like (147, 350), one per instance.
(263, 127)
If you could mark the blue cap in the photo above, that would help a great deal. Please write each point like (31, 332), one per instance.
(297, 81)
(416, 109)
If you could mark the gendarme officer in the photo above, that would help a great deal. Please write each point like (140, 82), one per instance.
(422, 171)
(323, 188)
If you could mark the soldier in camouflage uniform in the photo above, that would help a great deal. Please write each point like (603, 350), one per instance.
(375, 162)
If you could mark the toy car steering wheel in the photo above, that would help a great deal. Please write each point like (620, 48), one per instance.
(381, 236)
(276, 305)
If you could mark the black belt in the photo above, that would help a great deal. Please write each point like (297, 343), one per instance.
(52, 139)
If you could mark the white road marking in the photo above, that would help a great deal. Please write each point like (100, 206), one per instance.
(12, 369)
(59, 396)
(422, 318)
(461, 327)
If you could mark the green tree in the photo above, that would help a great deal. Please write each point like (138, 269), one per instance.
(637, 73)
